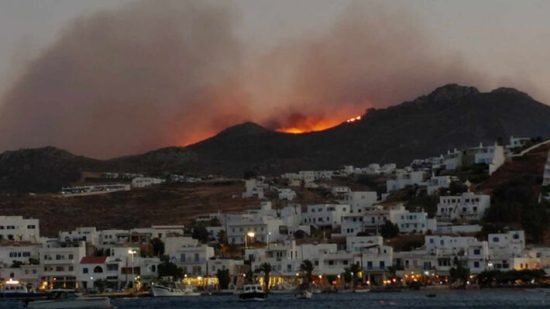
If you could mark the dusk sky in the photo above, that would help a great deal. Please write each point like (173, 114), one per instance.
(267, 61)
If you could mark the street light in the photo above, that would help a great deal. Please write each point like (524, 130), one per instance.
(132, 252)
(249, 234)
(267, 240)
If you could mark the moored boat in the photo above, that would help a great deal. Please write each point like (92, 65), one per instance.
(304, 294)
(252, 292)
(172, 290)
(14, 289)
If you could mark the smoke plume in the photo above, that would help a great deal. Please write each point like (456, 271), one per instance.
(146, 75)
(160, 73)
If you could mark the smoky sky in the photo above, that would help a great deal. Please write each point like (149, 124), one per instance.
(159, 73)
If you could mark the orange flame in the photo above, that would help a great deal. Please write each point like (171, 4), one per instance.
(313, 124)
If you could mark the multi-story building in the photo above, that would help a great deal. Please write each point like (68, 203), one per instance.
(325, 215)
(59, 262)
(405, 179)
(17, 228)
(468, 206)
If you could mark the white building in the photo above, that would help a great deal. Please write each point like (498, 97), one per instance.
(94, 268)
(405, 179)
(437, 182)
(493, 156)
(235, 267)
(254, 188)
(142, 182)
(359, 200)
(453, 160)
(94, 189)
(325, 215)
(59, 262)
(517, 142)
(17, 228)
(468, 206)
(87, 234)
(468, 250)
(374, 218)
(263, 228)
(19, 252)
(287, 194)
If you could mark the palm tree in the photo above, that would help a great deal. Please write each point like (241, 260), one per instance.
(354, 269)
(266, 269)
(307, 268)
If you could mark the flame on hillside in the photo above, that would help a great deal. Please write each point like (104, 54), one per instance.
(298, 123)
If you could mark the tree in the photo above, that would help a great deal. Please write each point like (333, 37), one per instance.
(158, 247)
(307, 270)
(299, 234)
(389, 230)
(266, 269)
(223, 278)
(222, 237)
(249, 278)
(459, 273)
(200, 233)
(353, 270)
(169, 269)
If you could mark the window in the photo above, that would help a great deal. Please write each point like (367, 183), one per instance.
(85, 270)
(31, 227)
(98, 270)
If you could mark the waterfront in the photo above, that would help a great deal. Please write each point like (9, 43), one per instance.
(507, 298)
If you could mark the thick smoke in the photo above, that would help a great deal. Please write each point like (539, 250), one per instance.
(149, 74)
(372, 56)
(159, 73)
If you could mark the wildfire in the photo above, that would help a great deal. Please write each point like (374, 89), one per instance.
(306, 124)
(354, 119)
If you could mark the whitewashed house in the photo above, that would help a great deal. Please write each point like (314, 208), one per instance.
(468, 206)
(325, 215)
(17, 228)
(493, 156)
(286, 194)
(359, 200)
(437, 182)
(59, 262)
(143, 182)
(254, 188)
(405, 179)
(468, 250)
(94, 268)
(87, 234)
(453, 160)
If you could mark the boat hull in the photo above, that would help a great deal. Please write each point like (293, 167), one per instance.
(167, 292)
(253, 296)
(84, 302)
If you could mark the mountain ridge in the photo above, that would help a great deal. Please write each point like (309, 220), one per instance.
(451, 116)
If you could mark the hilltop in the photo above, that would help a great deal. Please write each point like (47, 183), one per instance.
(452, 116)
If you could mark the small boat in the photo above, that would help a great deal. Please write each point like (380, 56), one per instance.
(172, 290)
(361, 290)
(304, 294)
(252, 292)
(69, 300)
(13, 289)
(431, 295)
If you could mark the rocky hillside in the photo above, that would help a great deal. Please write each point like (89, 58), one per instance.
(451, 116)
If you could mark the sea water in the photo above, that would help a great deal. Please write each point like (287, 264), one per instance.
(506, 298)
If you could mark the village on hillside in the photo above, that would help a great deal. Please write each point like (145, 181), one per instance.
(441, 222)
